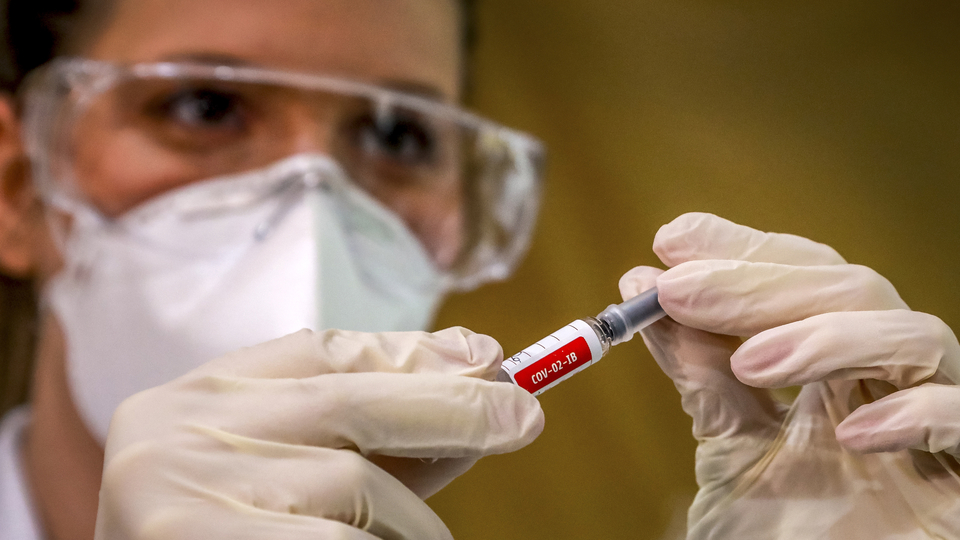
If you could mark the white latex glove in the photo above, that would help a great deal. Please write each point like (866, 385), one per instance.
(869, 448)
(315, 435)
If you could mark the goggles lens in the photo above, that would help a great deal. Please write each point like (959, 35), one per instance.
(110, 136)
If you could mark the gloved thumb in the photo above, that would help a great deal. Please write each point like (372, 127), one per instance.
(698, 362)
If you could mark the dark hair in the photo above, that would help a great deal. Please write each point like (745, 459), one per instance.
(38, 30)
(34, 31)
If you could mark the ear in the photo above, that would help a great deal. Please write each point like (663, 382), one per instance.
(22, 227)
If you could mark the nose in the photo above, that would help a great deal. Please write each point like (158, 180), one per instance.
(311, 129)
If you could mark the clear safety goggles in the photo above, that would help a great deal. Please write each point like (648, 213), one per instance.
(466, 187)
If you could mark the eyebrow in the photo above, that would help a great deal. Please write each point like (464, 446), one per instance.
(416, 88)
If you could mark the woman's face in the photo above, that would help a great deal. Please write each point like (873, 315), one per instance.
(409, 45)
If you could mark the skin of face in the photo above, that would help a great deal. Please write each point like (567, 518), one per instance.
(411, 44)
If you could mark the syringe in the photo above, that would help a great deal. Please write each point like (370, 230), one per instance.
(579, 344)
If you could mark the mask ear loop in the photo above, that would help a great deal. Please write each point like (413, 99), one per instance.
(62, 213)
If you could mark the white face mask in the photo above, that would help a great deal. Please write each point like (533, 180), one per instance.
(227, 263)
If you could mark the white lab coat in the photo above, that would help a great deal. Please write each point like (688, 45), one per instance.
(18, 518)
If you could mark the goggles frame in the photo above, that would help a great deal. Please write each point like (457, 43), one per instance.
(56, 93)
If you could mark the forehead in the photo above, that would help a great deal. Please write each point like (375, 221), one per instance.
(405, 42)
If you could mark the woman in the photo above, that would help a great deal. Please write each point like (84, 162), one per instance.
(215, 174)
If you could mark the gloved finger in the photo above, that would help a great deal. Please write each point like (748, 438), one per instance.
(698, 236)
(274, 480)
(453, 351)
(423, 476)
(343, 486)
(743, 298)
(926, 418)
(206, 523)
(403, 415)
(899, 346)
(698, 362)
(338, 485)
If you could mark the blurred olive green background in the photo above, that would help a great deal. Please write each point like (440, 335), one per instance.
(839, 121)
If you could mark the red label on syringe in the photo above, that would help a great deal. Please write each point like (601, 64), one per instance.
(553, 366)
(554, 358)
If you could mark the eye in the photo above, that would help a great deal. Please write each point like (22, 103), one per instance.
(398, 137)
(202, 108)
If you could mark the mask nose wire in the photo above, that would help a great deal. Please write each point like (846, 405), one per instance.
(290, 192)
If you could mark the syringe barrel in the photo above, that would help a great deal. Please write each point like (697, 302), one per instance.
(554, 358)
(578, 345)
(630, 317)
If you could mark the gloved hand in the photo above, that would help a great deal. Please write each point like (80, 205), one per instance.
(315, 435)
(870, 447)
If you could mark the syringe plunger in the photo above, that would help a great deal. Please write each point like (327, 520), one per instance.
(630, 317)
